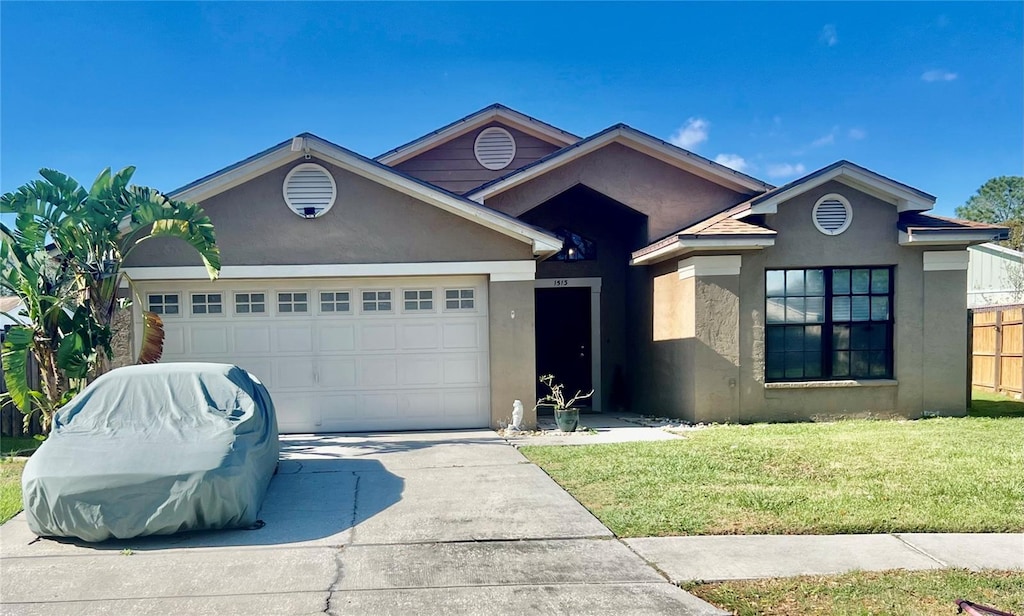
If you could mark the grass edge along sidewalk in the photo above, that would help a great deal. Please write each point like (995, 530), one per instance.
(853, 476)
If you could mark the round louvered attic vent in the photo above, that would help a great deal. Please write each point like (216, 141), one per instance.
(832, 214)
(309, 190)
(494, 148)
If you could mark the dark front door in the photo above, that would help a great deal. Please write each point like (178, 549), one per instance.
(563, 339)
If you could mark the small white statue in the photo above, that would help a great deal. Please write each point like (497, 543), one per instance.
(517, 415)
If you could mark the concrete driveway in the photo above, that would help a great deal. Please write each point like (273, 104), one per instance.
(424, 523)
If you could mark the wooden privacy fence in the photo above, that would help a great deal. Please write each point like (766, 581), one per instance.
(997, 349)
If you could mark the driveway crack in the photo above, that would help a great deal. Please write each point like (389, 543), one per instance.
(918, 550)
(338, 567)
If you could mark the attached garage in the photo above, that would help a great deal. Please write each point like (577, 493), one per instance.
(342, 354)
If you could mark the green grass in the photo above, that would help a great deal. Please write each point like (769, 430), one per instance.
(893, 593)
(856, 476)
(984, 404)
(10, 487)
(17, 445)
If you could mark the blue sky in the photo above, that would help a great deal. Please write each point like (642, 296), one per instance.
(931, 94)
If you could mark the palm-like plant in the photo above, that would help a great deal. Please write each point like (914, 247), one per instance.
(78, 274)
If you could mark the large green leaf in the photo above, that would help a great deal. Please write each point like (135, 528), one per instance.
(15, 350)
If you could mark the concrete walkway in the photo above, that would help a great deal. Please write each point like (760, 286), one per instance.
(414, 523)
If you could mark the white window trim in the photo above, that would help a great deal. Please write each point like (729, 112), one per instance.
(417, 310)
(444, 299)
(277, 303)
(205, 315)
(234, 303)
(846, 205)
(163, 304)
(320, 303)
(377, 301)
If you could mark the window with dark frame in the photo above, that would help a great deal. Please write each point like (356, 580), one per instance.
(829, 323)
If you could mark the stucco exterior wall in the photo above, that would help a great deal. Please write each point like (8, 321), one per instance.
(453, 165)
(512, 348)
(670, 385)
(669, 197)
(930, 322)
(369, 223)
(716, 348)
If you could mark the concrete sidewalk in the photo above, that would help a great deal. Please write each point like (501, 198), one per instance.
(740, 557)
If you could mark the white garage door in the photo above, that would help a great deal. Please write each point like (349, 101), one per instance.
(342, 355)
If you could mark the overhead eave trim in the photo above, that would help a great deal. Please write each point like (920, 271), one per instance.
(684, 246)
(933, 237)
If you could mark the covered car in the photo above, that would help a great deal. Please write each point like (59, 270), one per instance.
(154, 450)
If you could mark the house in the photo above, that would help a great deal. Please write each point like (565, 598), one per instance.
(429, 286)
(995, 276)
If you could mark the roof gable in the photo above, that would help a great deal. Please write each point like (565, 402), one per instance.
(636, 140)
(905, 198)
(543, 243)
(496, 112)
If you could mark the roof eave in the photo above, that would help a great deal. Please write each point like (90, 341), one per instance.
(684, 245)
(948, 237)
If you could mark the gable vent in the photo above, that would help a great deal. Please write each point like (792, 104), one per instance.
(832, 214)
(494, 148)
(309, 190)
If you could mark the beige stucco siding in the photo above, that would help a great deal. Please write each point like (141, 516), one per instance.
(453, 165)
(925, 333)
(670, 197)
(513, 360)
(369, 223)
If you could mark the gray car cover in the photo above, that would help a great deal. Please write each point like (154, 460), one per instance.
(154, 450)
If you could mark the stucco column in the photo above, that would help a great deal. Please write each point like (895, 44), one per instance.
(944, 317)
(512, 350)
(716, 348)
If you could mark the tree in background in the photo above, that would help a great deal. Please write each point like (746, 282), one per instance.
(999, 201)
(64, 260)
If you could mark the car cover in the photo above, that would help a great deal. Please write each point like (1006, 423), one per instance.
(154, 450)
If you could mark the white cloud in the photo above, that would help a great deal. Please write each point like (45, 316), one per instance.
(691, 134)
(856, 133)
(829, 35)
(938, 75)
(785, 170)
(828, 139)
(732, 161)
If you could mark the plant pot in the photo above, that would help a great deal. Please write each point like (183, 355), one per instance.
(567, 419)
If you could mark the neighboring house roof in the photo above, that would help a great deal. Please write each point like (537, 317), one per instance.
(1001, 251)
(719, 232)
(511, 117)
(631, 138)
(11, 306)
(905, 198)
(543, 242)
(917, 228)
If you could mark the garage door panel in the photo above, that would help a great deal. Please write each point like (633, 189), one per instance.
(335, 338)
(420, 404)
(378, 371)
(174, 340)
(294, 338)
(252, 339)
(461, 335)
(336, 373)
(351, 370)
(209, 340)
(419, 336)
(420, 370)
(377, 337)
(295, 373)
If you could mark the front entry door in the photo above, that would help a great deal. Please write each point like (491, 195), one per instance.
(563, 339)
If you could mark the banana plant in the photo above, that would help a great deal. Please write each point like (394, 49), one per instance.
(80, 239)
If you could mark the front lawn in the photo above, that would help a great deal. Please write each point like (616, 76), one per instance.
(10, 487)
(18, 445)
(893, 593)
(857, 476)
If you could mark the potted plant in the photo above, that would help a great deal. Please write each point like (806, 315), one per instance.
(566, 415)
